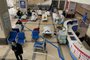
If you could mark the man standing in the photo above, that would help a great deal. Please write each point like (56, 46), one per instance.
(20, 23)
(18, 50)
(29, 12)
(84, 17)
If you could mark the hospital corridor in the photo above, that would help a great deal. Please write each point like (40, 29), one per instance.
(44, 30)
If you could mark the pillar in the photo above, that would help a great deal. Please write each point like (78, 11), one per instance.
(58, 4)
(5, 25)
(88, 31)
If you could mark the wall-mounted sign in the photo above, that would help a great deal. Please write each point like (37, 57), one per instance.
(22, 4)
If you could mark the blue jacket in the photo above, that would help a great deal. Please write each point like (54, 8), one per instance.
(84, 18)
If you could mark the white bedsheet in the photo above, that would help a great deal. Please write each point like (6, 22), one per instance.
(39, 12)
(47, 30)
(34, 16)
(55, 17)
(44, 17)
(47, 13)
(24, 17)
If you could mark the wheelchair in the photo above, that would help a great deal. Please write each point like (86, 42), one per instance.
(40, 46)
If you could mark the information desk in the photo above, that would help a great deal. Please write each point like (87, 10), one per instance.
(75, 45)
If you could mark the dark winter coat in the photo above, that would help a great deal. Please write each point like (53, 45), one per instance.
(17, 49)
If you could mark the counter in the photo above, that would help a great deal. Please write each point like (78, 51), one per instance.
(75, 45)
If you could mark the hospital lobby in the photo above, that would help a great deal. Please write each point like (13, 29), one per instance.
(44, 29)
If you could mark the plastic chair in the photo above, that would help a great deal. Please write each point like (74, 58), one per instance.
(40, 46)
(12, 36)
(35, 35)
(21, 38)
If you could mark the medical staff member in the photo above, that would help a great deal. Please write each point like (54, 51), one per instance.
(19, 14)
(29, 12)
(20, 23)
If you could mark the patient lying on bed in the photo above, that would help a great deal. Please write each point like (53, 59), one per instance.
(34, 16)
(44, 17)
(24, 17)
(47, 31)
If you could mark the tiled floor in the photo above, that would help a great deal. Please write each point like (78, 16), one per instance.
(29, 54)
(4, 49)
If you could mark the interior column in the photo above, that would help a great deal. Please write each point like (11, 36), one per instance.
(5, 25)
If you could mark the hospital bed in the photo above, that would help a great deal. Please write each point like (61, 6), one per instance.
(39, 12)
(34, 16)
(47, 31)
(47, 13)
(24, 17)
(55, 17)
(44, 17)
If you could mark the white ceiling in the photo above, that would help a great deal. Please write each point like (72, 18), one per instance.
(81, 1)
(48, 2)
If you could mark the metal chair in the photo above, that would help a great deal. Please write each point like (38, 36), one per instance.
(40, 46)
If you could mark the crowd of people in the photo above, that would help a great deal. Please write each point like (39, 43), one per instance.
(17, 48)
